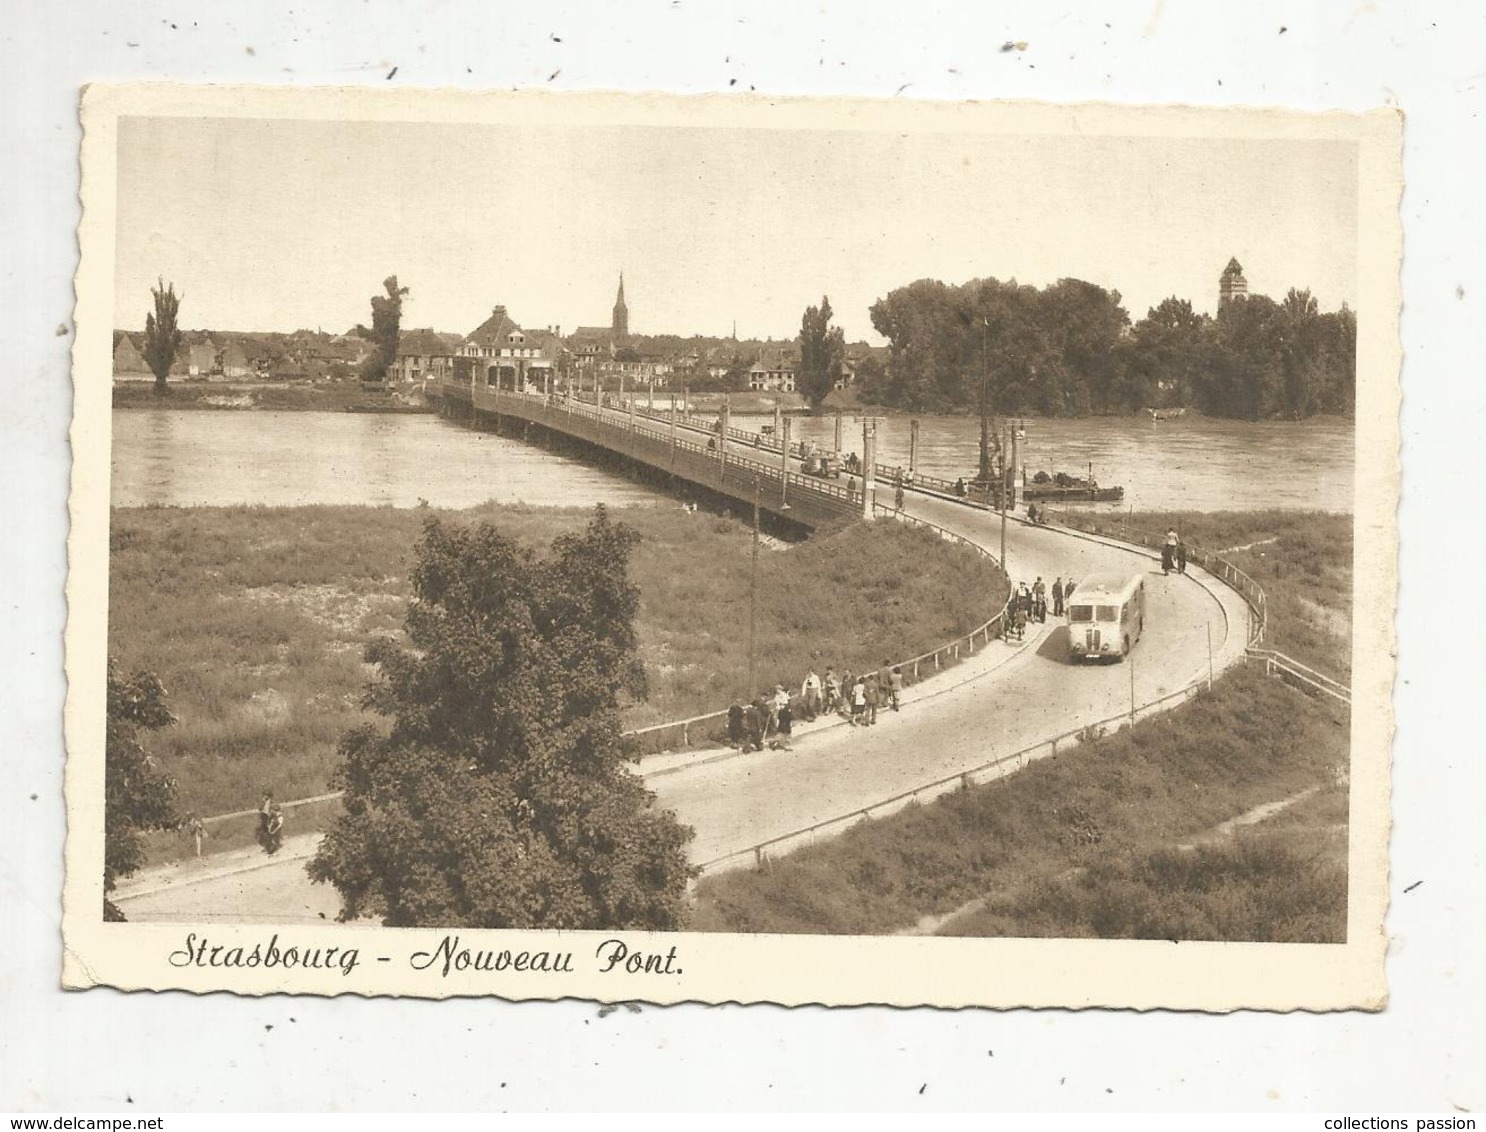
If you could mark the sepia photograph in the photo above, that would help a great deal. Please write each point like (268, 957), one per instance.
(732, 550)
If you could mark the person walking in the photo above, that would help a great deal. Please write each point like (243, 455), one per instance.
(895, 686)
(859, 702)
(1181, 556)
(783, 719)
(735, 725)
(898, 496)
(1039, 600)
(1168, 552)
(874, 698)
(833, 690)
(196, 830)
(753, 727)
(1058, 596)
(810, 696)
(851, 489)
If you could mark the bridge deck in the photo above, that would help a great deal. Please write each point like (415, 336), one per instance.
(674, 448)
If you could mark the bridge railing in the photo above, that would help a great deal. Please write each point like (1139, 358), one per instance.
(624, 433)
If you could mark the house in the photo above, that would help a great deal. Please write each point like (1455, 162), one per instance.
(421, 354)
(499, 352)
(201, 359)
(129, 363)
(774, 374)
(588, 344)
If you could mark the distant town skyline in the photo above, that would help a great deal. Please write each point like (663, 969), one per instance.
(271, 225)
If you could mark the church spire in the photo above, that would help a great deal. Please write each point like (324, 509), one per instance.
(620, 328)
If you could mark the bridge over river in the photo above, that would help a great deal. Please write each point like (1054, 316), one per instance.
(985, 717)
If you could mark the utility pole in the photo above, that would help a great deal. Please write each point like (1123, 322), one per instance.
(838, 430)
(722, 440)
(869, 465)
(1002, 494)
(913, 446)
(784, 465)
(753, 596)
(673, 430)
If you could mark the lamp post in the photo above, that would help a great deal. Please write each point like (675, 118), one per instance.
(753, 595)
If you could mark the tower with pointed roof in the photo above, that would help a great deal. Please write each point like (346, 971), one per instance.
(1232, 284)
(620, 326)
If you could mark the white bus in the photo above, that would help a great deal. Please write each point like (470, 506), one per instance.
(1106, 613)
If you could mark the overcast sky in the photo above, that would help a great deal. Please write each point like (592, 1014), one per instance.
(274, 225)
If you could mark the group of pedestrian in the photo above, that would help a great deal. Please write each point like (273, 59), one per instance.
(768, 719)
(1173, 553)
(1030, 603)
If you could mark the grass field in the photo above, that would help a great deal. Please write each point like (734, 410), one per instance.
(1090, 842)
(1301, 559)
(256, 620)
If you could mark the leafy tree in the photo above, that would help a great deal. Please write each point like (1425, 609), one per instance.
(822, 346)
(500, 797)
(162, 337)
(137, 795)
(736, 378)
(1166, 355)
(386, 330)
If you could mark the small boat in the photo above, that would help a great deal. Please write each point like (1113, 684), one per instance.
(1060, 487)
(1051, 493)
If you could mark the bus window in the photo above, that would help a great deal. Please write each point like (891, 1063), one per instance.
(1108, 613)
(1080, 613)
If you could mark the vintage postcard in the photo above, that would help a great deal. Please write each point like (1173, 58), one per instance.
(732, 549)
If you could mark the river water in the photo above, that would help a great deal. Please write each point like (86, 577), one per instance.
(1189, 464)
(194, 458)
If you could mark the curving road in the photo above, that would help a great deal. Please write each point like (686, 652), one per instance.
(1003, 700)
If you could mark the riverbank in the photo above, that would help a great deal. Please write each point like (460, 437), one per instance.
(238, 396)
(256, 619)
(1225, 818)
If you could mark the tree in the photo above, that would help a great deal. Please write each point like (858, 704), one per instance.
(137, 795)
(162, 337)
(500, 797)
(1166, 355)
(822, 346)
(386, 330)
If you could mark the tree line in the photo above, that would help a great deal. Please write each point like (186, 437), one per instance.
(1069, 349)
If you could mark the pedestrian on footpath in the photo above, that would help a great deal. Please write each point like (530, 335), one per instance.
(753, 728)
(810, 696)
(859, 703)
(874, 698)
(1039, 600)
(1181, 557)
(735, 725)
(1168, 552)
(898, 496)
(196, 830)
(784, 725)
(895, 686)
(1058, 596)
(833, 690)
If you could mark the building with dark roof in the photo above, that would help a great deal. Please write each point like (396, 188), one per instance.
(421, 354)
(500, 353)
